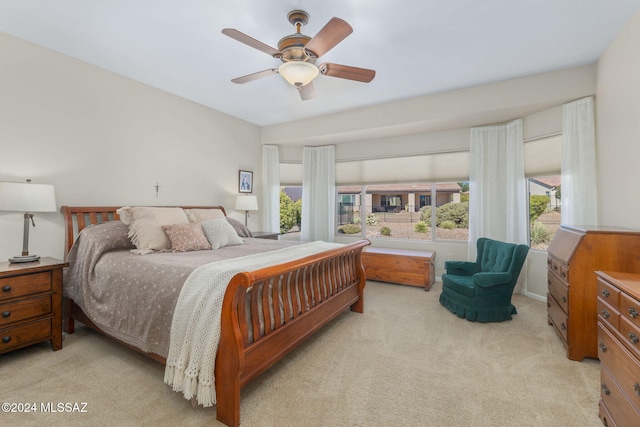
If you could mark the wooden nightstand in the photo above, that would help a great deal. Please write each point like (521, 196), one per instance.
(31, 303)
(265, 235)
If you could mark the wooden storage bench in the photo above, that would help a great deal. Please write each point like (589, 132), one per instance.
(403, 266)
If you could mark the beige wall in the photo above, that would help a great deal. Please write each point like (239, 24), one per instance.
(618, 129)
(103, 139)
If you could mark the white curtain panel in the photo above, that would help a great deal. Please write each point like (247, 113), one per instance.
(318, 193)
(271, 188)
(497, 187)
(579, 186)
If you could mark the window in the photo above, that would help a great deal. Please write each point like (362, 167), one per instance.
(452, 211)
(437, 194)
(544, 210)
(425, 200)
(388, 203)
(404, 211)
(542, 158)
(348, 199)
(290, 208)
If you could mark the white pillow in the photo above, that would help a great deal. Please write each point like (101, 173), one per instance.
(145, 226)
(220, 233)
(201, 215)
(125, 214)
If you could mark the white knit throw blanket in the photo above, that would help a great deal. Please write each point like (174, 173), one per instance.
(195, 328)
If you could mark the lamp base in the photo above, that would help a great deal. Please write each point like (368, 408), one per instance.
(24, 258)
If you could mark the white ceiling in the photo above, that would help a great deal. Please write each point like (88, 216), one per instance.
(417, 47)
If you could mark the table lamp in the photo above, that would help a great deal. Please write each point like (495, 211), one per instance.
(246, 204)
(27, 198)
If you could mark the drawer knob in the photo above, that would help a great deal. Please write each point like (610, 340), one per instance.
(636, 388)
(6, 339)
(633, 312)
(555, 267)
(6, 314)
(603, 347)
(606, 293)
(564, 274)
(6, 288)
(564, 299)
(606, 314)
(563, 326)
(605, 389)
(633, 338)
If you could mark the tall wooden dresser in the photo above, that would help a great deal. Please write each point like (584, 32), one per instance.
(575, 253)
(619, 348)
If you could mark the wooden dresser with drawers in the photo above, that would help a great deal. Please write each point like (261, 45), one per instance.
(575, 253)
(619, 348)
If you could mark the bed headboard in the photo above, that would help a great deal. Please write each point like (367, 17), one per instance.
(78, 217)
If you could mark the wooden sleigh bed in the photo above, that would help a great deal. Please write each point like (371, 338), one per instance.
(310, 292)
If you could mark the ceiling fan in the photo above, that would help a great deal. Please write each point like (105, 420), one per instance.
(299, 52)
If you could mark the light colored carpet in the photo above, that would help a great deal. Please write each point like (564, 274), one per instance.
(406, 361)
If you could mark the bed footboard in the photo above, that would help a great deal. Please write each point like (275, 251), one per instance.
(287, 303)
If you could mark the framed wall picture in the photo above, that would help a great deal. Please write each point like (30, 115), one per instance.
(245, 183)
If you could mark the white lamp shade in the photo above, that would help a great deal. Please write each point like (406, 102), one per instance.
(246, 203)
(26, 197)
(298, 73)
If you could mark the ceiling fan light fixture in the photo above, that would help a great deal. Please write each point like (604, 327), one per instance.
(298, 73)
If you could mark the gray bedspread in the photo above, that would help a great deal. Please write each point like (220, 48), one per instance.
(132, 297)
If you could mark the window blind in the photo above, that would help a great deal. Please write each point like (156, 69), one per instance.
(542, 157)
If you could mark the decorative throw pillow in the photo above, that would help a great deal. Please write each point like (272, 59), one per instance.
(106, 236)
(240, 228)
(145, 226)
(125, 213)
(200, 215)
(220, 233)
(186, 237)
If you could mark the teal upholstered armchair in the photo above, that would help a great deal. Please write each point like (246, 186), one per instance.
(481, 291)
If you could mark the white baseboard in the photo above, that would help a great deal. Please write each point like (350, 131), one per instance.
(536, 297)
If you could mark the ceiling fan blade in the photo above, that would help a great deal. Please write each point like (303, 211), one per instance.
(346, 72)
(255, 76)
(330, 35)
(250, 41)
(307, 91)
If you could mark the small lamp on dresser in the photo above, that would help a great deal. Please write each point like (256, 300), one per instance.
(246, 204)
(27, 198)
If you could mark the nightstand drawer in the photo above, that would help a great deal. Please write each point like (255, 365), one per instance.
(16, 286)
(24, 309)
(17, 336)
